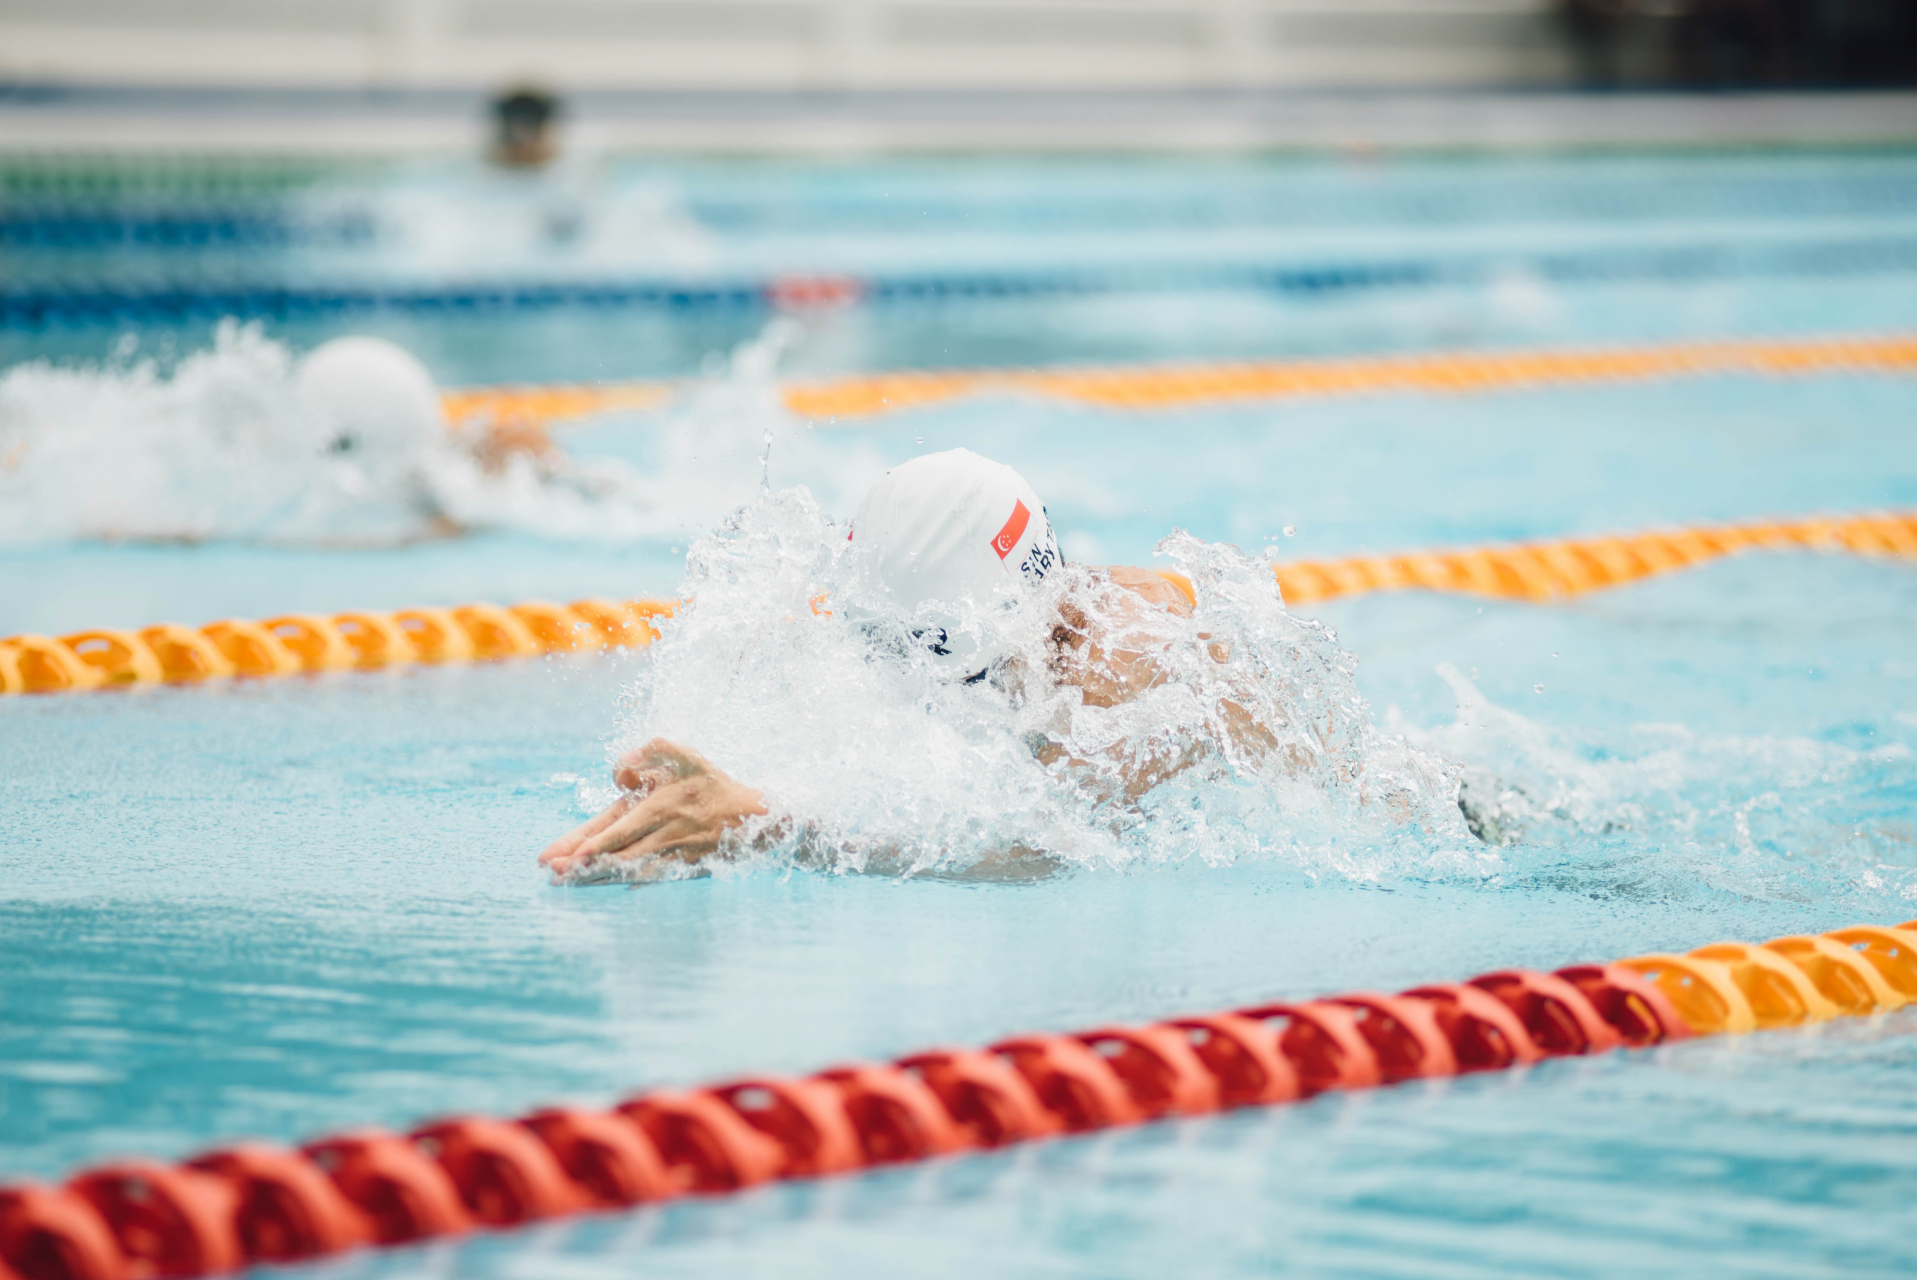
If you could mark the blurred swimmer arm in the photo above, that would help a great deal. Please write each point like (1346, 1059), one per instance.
(1109, 644)
(1113, 647)
(1152, 587)
(677, 805)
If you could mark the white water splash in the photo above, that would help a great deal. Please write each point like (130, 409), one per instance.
(1661, 809)
(223, 448)
(572, 219)
(874, 758)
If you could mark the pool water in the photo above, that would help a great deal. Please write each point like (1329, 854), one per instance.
(991, 260)
(286, 907)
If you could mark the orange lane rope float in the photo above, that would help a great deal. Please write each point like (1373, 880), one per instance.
(254, 1203)
(363, 639)
(551, 403)
(1171, 386)
(1165, 387)
(297, 642)
(1558, 570)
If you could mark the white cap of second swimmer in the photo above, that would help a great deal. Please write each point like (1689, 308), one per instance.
(371, 399)
(952, 527)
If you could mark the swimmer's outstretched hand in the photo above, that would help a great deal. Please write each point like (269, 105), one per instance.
(676, 805)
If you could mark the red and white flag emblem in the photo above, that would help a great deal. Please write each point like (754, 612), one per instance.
(1014, 530)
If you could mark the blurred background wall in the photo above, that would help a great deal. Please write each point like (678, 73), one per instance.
(958, 44)
(785, 44)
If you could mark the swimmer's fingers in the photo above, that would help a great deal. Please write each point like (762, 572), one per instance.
(677, 806)
(590, 827)
(640, 821)
(582, 856)
(673, 815)
(657, 762)
(692, 814)
(681, 762)
(674, 839)
(565, 846)
(643, 781)
(635, 771)
(680, 840)
(580, 846)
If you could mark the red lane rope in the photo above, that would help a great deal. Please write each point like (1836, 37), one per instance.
(255, 1203)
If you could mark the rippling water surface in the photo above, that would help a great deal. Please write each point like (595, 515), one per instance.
(286, 907)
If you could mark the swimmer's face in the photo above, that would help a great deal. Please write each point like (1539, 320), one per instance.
(969, 641)
(1066, 646)
(958, 654)
(1089, 648)
(1074, 656)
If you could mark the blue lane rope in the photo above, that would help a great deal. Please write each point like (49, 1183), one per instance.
(81, 230)
(104, 302)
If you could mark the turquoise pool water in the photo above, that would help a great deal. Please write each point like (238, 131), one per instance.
(281, 908)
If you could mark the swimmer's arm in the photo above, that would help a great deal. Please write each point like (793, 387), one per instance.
(1118, 661)
(676, 805)
(1110, 653)
(1110, 649)
(1154, 588)
(1139, 772)
(1174, 593)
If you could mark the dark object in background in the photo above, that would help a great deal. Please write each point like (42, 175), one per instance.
(1735, 44)
(523, 128)
(1858, 42)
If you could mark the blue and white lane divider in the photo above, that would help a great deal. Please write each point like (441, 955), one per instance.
(97, 300)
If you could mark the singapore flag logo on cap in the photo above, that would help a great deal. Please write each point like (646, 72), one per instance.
(1014, 530)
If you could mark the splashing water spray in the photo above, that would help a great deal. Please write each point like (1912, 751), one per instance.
(874, 757)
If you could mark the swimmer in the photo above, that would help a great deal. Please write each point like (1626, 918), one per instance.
(392, 465)
(375, 404)
(371, 401)
(523, 128)
(936, 532)
(346, 445)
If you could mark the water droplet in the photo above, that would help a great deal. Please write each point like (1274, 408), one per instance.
(1537, 688)
(921, 439)
(1291, 530)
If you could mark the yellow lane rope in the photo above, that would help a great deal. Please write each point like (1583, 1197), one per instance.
(299, 642)
(1569, 567)
(1170, 386)
(364, 639)
(551, 403)
(1449, 372)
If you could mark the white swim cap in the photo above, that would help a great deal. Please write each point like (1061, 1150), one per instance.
(947, 531)
(373, 401)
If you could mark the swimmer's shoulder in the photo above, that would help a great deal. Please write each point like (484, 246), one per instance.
(1160, 587)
